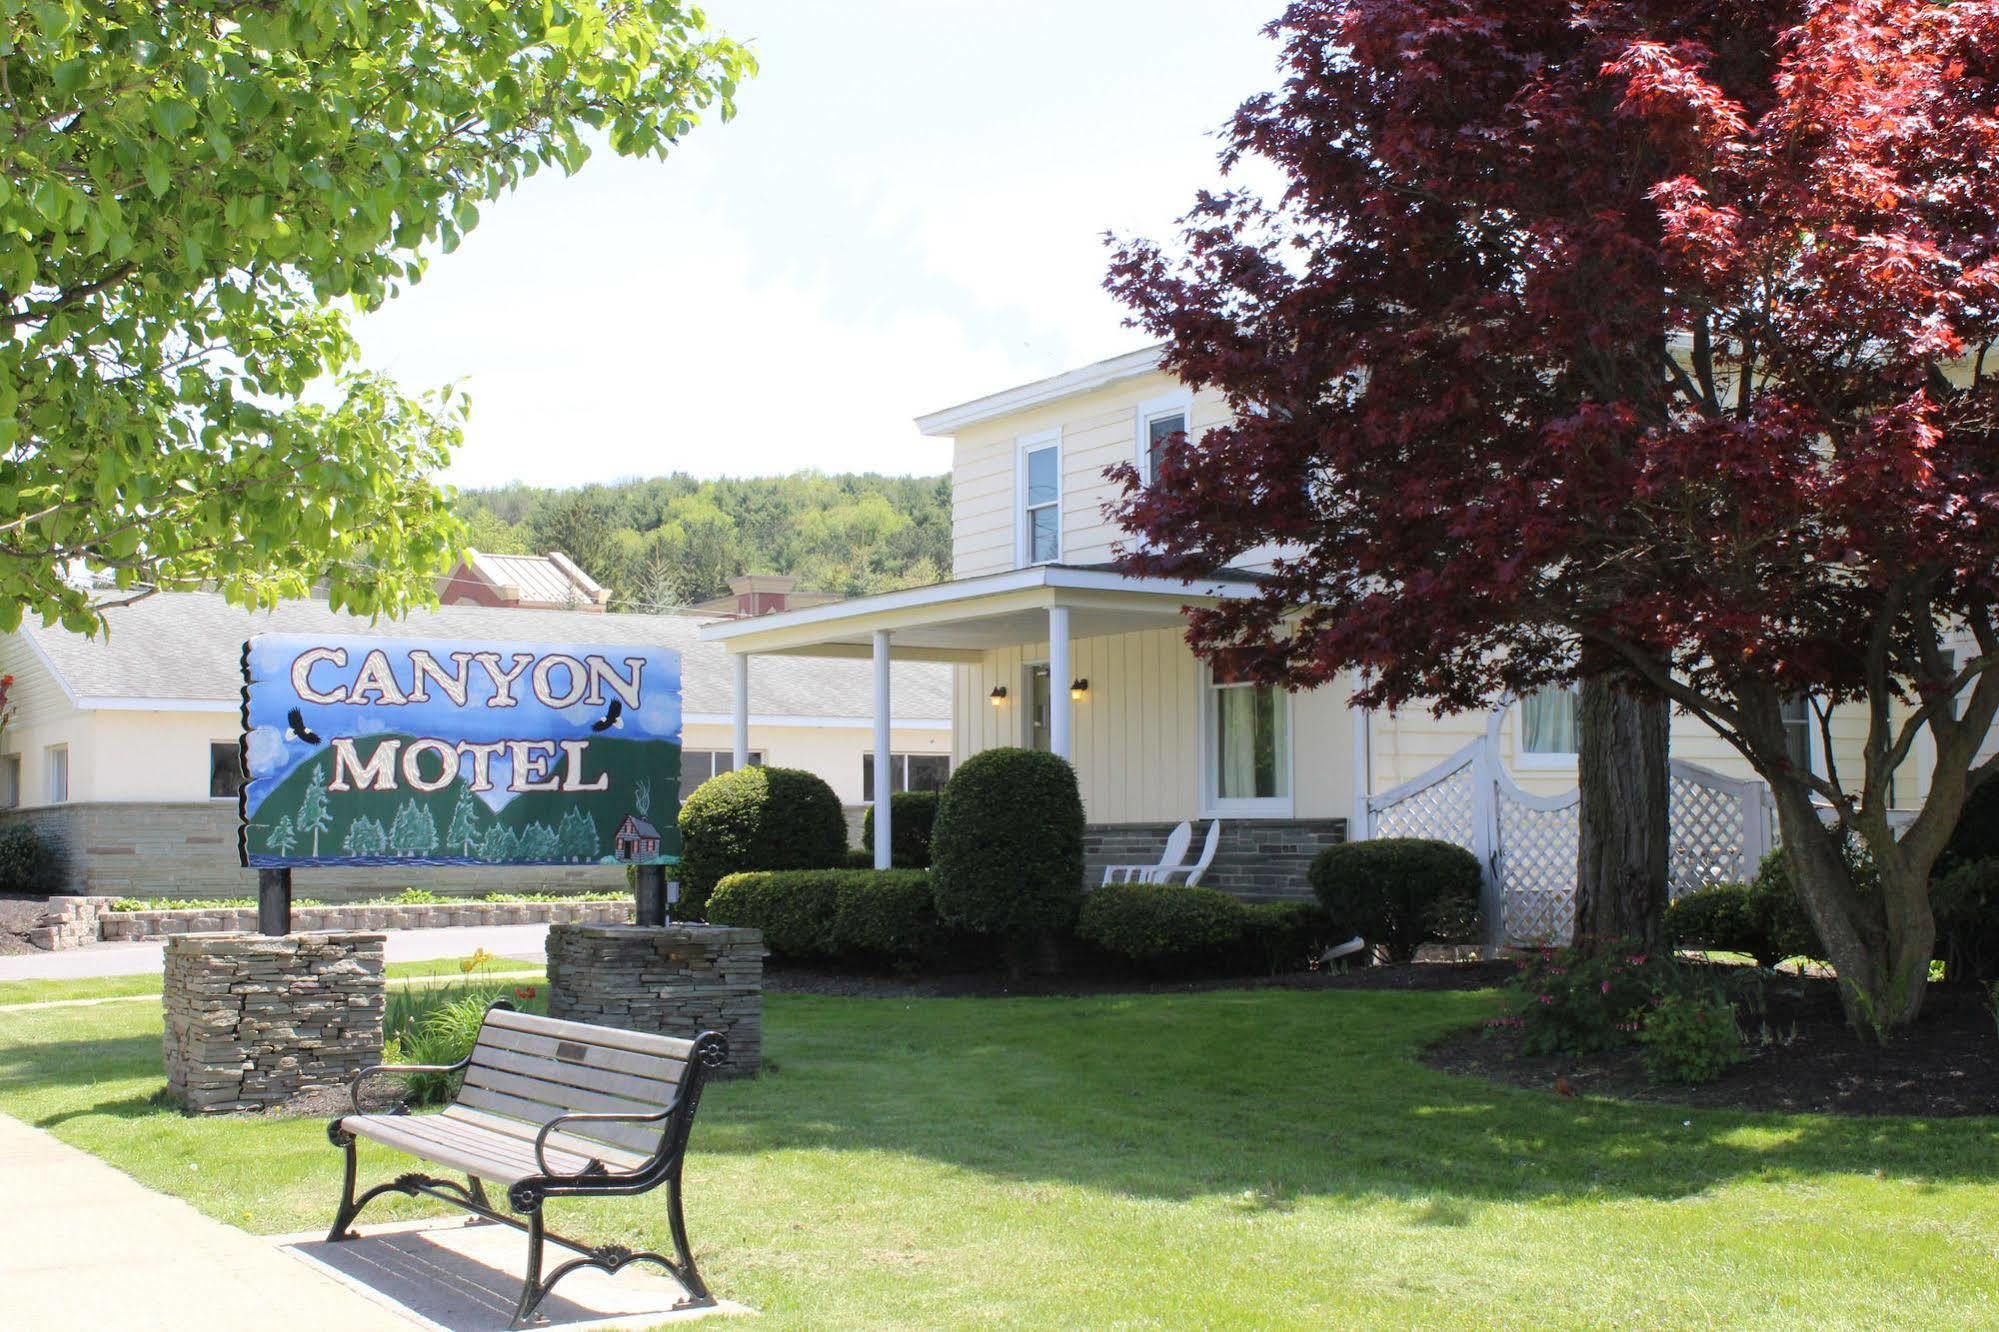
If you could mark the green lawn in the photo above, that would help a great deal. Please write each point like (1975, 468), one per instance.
(1253, 1158)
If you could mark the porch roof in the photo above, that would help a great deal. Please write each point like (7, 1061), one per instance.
(958, 620)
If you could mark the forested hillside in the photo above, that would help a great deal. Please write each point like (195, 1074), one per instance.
(674, 539)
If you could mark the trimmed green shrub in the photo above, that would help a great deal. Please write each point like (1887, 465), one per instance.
(1007, 850)
(1746, 918)
(1966, 903)
(1280, 937)
(1976, 836)
(1399, 891)
(29, 862)
(1690, 1037)
(833, 915)
(756, 818)
(1161, 923)
(912, 814)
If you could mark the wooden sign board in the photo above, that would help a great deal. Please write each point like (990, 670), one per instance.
(371, 751)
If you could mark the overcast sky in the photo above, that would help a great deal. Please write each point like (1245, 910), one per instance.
(906, 213)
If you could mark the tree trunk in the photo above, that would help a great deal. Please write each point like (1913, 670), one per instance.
(1621, 849)
(1879, 940)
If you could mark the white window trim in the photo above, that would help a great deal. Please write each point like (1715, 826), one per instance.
(1173, 404)
(1527, 761)
(1024, 445)
(1264, 807)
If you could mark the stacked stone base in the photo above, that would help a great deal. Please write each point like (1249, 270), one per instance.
(70, 922)
(254, 1021)
(676, 980)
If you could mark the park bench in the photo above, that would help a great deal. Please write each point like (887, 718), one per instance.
(548, 1109)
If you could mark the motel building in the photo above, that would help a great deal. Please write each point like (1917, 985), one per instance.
(125, 748)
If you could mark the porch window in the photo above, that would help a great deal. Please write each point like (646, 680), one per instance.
(1248, 743)
(1797, 714)
(56, 761)
(1037, 707)
(1041, 499)
(698, 765)
(10, 781)
(225, 770)
(1548, 722)
(908, 772)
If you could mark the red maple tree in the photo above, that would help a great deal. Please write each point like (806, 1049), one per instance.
(1641, 335)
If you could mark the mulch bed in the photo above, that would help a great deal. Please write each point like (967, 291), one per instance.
(1804, 1059)
(780, 978)
(18, 915)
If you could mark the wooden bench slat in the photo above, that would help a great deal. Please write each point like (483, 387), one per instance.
(638, 1042)
(664, 1068)
(491, 1157)
(618, 1158)
(649, 1091)
(638, 1137)
(562, 1095)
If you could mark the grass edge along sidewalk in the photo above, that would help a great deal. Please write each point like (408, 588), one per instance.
(1054, 1162)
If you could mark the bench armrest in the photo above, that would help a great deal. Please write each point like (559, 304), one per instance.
(354, 1086)
(589, 1117)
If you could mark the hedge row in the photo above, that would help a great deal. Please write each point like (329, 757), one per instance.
(838, 914)
(1173, 929)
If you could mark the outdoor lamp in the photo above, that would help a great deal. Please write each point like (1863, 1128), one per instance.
(1079, 688)
(998, 695)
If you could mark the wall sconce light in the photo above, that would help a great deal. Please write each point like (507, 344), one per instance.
(1079, 688)
(998, 696)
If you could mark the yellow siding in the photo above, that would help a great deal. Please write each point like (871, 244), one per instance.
(1098, 430)
(1136, 739)
(43, 716)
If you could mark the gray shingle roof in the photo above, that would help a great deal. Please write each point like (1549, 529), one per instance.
(188, 646)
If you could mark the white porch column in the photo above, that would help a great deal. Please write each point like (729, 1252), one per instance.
(740, 702)
(884, 767)
(1058, 680)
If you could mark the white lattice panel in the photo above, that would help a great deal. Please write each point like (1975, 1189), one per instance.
(1705, 837)
(1537, 871)
(1442, 811)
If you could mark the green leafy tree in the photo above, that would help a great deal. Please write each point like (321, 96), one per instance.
(313, 816)
(187, 192)
(464, 829)
(577, 837)
(282, 838)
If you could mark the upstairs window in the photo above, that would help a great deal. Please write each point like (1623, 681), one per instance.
(1041, 499)
(1158, 422)
(1797, 713)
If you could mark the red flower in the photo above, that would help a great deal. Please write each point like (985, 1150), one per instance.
(524, 992)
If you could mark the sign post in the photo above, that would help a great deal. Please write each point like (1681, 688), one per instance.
(274, 901)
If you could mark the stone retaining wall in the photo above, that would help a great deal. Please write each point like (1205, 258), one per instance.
(70, 922)
(251, 1022)
(676, 980)
(155, 924)
(188, 849)
(1261, 860)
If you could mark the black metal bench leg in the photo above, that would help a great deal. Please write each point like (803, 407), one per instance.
(478, 1191)
(532, 1290)
(344, 1217)
(690, 1276)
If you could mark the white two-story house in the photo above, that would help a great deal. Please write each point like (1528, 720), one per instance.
(1054, 648)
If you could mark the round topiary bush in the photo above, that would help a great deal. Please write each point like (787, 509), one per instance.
(756, 819)
(1163, 924)
(1006, 855)
(1398, 891)
(29, 862)
(912, 816)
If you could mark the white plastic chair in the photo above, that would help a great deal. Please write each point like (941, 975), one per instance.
(1195, 869)
(1176, 847)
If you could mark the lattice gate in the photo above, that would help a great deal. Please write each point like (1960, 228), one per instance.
(1719, 828)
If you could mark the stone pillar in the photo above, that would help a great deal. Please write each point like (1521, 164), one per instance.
(251, 1022)
(674, 980)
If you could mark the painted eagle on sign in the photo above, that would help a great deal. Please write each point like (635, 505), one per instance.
(369, 751)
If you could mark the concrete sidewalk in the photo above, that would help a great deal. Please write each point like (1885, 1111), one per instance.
(527, 943)
(86, 1248)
